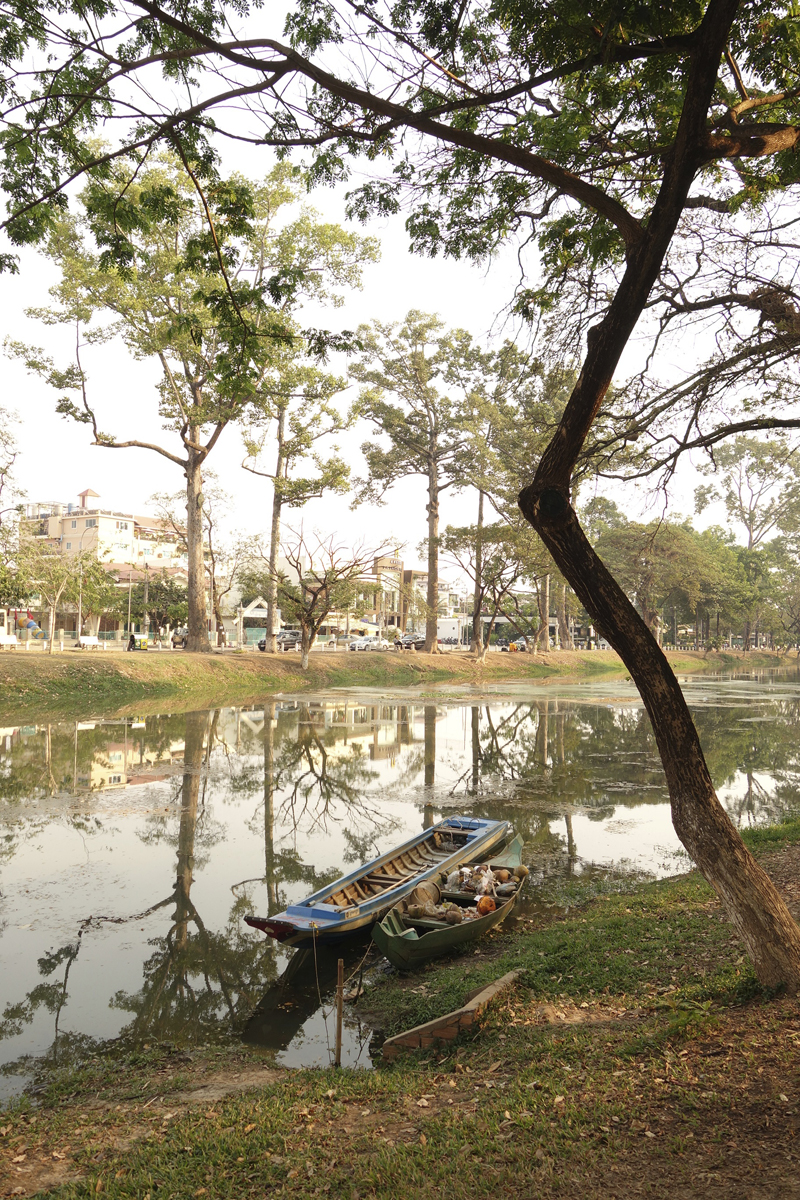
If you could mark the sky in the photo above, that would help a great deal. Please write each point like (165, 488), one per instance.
(57, 461)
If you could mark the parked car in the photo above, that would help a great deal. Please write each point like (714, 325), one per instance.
(179, 638)
(360, 643)
(287, 639)
(377, 643)
(520, 643)
(417, 640)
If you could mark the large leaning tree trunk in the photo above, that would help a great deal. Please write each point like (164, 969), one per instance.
(752, 902)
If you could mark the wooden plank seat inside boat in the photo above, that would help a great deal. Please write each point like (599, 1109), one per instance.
(399, 870)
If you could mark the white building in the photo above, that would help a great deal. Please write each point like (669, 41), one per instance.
(117, 538)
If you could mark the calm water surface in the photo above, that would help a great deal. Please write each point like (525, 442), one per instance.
(131, 850)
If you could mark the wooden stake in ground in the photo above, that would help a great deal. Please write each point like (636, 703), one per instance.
(337, 1059)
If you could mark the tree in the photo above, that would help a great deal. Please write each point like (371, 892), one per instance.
(298, 422)
(8, 457)
(97, 591)
(325, 576)
(427, 431)
(517, 401)
(606, 132)
(787, 595)
(45, 570)
(497, 562)
(9, 512)
(759, 483)
(167, 602)
(207, 286)
(222, 557)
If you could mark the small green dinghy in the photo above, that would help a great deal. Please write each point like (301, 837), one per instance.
(410, 941)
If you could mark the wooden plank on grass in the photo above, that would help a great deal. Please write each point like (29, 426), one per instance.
(448, 1027)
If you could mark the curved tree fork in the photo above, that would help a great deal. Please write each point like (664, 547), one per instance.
(750, 898)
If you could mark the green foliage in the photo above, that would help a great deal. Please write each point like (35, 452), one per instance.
(759, 482)
(97, 588)
(167, 601)
(666, 565)
(500, 560)
(205, 279)
(403, 370)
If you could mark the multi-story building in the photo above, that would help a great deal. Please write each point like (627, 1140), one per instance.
(117, 538)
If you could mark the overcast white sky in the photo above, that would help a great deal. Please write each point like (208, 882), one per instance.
(57, 460)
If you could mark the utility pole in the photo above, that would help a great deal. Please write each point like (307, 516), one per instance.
(130, 578)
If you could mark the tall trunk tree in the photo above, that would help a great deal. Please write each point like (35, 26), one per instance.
(197, 623)
(432, 593)
(281, 466)
(564, 634)
(477, 590)
(428, 431)
(543, 638)
(297, 423)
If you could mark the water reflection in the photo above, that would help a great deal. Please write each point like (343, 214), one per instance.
(132, 849)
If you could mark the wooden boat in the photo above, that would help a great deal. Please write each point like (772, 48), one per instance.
(356, 901)
(409, 942)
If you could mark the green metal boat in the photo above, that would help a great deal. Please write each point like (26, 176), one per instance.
(409, 942)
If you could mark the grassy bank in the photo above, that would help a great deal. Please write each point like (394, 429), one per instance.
(637, 1057)
(88, 681)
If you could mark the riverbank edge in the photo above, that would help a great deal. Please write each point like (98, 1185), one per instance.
(86, 682)
(593, 1074)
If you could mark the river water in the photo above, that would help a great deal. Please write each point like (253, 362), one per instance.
(132, 848)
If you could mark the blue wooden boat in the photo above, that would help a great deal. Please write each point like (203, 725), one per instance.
(357, 900)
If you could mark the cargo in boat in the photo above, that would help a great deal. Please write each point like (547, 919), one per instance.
(409, 942)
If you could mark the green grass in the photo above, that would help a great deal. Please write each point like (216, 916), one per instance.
(41, 686)
(772, 837)
(681, 940)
